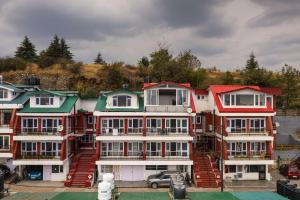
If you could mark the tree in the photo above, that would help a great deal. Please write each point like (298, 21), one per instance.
(26, 50)
(290, 84)
(64, 48)
(144, 62)
(99, 59)
(190, 59)
(227, 78)
(198, 78)
(253, 74)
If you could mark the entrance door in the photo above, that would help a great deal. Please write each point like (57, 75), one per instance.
(262, 172)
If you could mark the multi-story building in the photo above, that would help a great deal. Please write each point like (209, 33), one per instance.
(42, 134)
(244, 116)
(143, 133)
(134, 134)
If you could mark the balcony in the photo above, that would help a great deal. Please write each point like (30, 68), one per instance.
(250, 132)
(43, 131)
(121, 131)
(177, 155)
(4, 128)
(4, 148)
(254, 155)
(41, 155)
(166, 108)
(120, 156)
(167, 131)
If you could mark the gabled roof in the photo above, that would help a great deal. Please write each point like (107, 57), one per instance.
(150, 85)
(101, 102)
(54, 93)
(221, 89)
(21, 99)
(231, 88)
(66, 107)
(11, 87)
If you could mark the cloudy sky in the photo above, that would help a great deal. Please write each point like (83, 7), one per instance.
(221, 33)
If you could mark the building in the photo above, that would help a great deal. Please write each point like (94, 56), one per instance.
(134, 134)
(42, 134)
(244, 116)
(145, 132)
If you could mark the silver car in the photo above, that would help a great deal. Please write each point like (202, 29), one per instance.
(161, 179)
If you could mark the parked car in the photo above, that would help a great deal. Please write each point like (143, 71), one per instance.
(5, 171)
(34, 175)
(161, 179)
(293, 172)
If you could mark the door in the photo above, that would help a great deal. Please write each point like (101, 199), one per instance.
(165, 180)
(116, 172)
(262, 172)
(132, 173)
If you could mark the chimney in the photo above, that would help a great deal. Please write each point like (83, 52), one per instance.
(125, 86)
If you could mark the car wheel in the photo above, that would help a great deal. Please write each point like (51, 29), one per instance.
(154, 185)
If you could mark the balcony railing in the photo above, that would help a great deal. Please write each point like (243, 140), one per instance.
(173, 154)
(167, 131)
(4, 148)
(135, 131)
(112, 131)
(245, 132)
(165, 108)
(41, 155)
(43, 131)
(4, 125)
(253, 156)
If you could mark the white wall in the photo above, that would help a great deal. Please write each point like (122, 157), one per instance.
(134, 100)
(49, 176)
(57, 102)
(86, 104)
(200, 104)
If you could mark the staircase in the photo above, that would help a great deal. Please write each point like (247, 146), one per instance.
(206, 173)
(82, 170)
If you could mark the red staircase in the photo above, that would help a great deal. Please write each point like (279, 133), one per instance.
(82, 170)
(206, 173)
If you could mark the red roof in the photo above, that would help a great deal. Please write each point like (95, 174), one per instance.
(221, 89)
(150, 85)
(201, 91)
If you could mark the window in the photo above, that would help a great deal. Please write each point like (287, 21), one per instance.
(135, 125)
(156, 167)
(122, 101)
(90, 119)
(237, 148)
(257, 125)
(28, 148)
(257, 148)
(51, 148)
(198, 97)
(227, 99)
(135, 149)
(57, 169)
(110, 125)
(244, 99)
(3, 93)
(182, 96)
(198, 119)
(112, 149)
(152, 97)
(29, 125)
(231, 168)
(44, 99)
(153, 125)
(87, 138)
(153, 149)
(237, 125)
(106, 168)
(50, 125)
(177, 125)
(4, 142)
(255, 168)
(177, 149)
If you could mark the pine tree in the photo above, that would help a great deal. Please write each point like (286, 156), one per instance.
(26, 50)
(252, 63)
(65, 52)
(99, 59)
(54, 49)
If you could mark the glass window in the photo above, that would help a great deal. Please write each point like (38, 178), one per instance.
(3, 93)
(182, 97)
(227, 99)
(44, 99)
(244, 99)
(269, 102)
(152, 97)
(57, 168)
(122, 101)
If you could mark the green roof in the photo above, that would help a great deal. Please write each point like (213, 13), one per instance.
(11, 87)
(101, 103)
(66, 107)
(54, 93)
(21, 99)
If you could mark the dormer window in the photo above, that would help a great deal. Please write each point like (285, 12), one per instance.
(44, 99)
(244, 99)
(122, 101)
(3, 93)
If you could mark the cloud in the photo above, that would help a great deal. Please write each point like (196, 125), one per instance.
(276, 12)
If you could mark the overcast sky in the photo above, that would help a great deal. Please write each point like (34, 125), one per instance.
(221, 33)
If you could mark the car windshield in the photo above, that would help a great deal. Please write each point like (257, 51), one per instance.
(159, 175)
